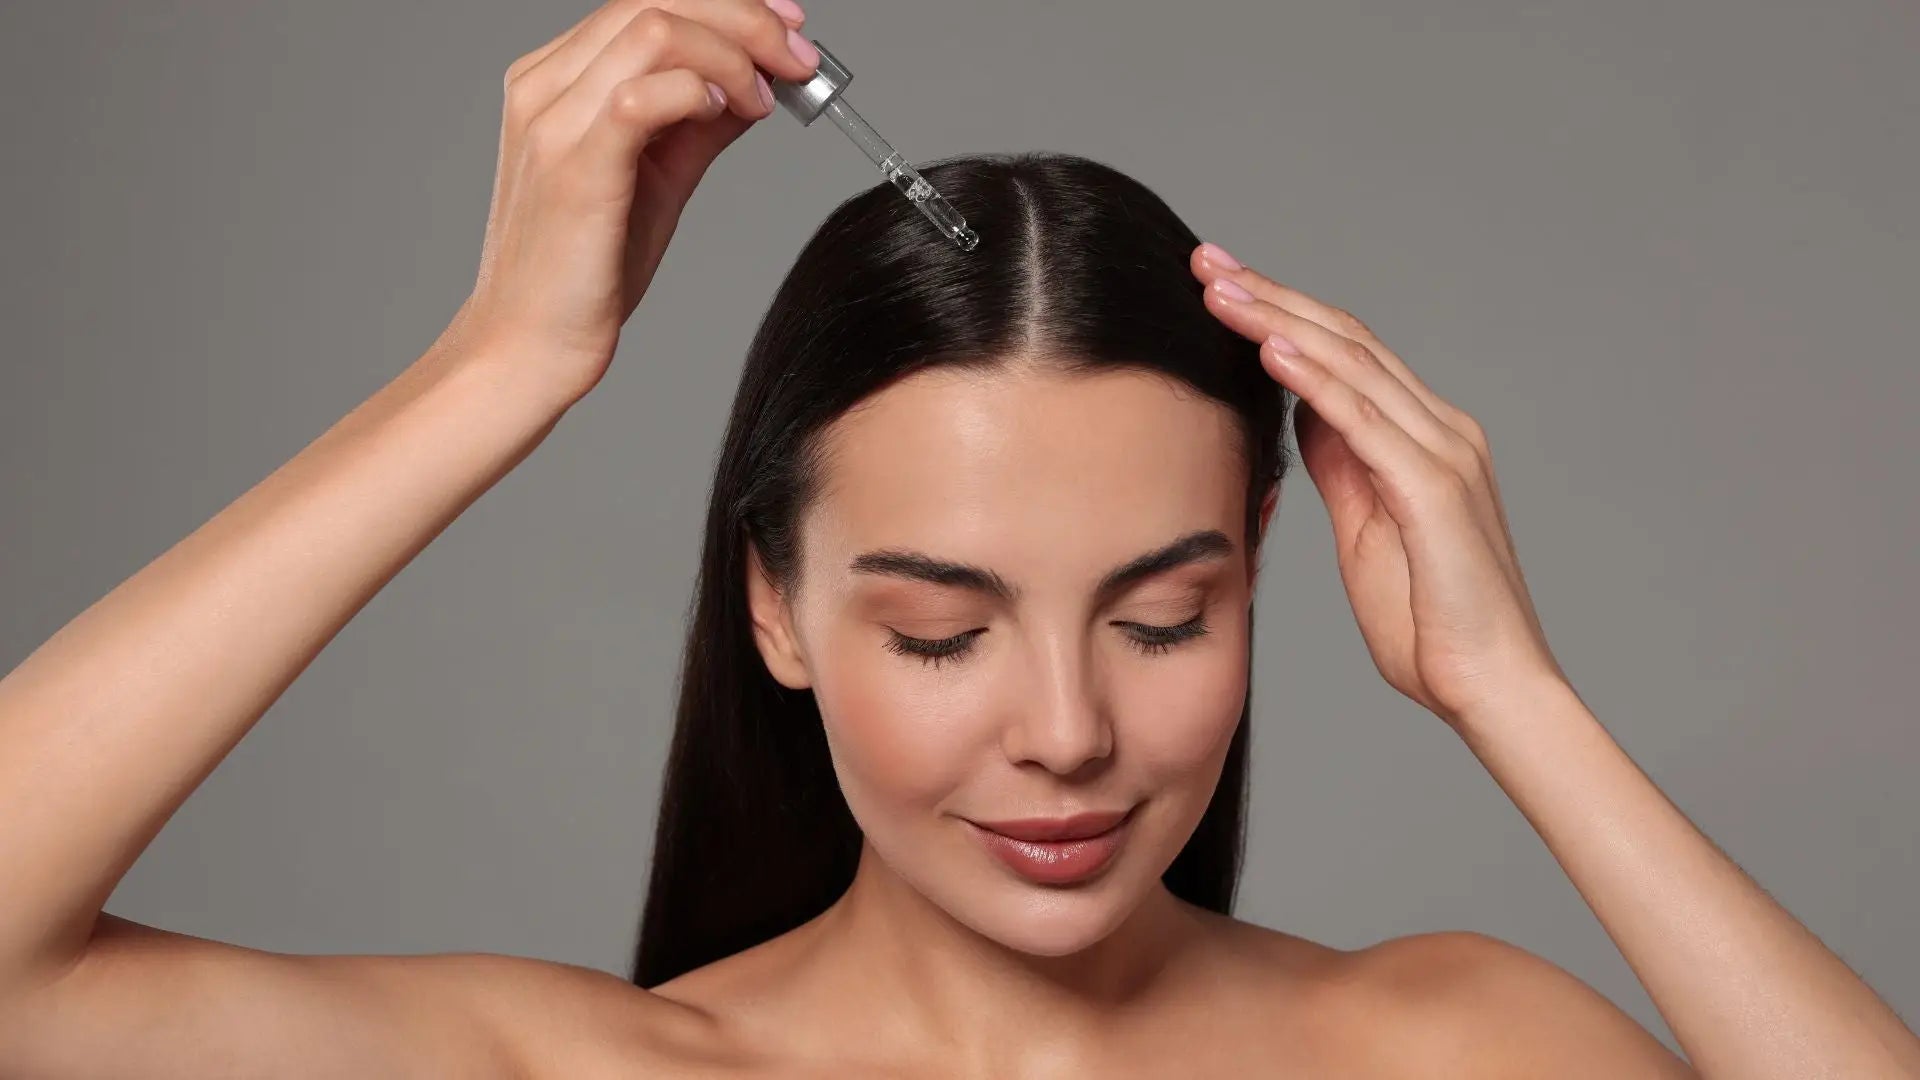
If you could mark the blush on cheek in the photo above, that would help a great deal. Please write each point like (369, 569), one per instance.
(1179, 721)
(900, 743)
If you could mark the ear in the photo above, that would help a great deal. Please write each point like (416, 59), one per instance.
(1267, 507)
(773, 627)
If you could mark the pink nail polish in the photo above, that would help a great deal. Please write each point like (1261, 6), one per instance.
(788, 10)
(1282, 346)
(1231, 290)
(1218, 256)
(803, 48)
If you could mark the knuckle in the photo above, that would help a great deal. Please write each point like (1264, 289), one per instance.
(1358, 355)
(689, 87)
(741, 64)
(772, 28)
(1366, 410)
(629, 101)
(1439, 481)
(763, 24)
(652, 27)
(1471, 430)
(1345, 322)
(544, 140)
(1457, 487)
(519, 97)
(1465, 459)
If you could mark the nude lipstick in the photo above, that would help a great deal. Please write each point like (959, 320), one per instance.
(1056, 851)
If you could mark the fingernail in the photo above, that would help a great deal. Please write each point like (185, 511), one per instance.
(1218, 256)
(766, 92)
(717, 96)
(788, 10)
(803, 48)
(1282, 346)
(1231, 290)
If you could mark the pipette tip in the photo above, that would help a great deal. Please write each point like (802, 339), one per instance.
(824, 94)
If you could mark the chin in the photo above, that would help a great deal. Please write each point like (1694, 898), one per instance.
(1041, 920)
(1055, 934)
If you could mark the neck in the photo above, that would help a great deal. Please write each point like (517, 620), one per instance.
(934, 981)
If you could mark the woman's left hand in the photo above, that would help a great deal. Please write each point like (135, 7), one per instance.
(1424, 549)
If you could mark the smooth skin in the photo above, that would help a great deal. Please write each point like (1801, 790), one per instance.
(117, 718)
(1430, 570)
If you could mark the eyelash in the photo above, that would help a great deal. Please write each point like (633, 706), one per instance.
(1159, 640)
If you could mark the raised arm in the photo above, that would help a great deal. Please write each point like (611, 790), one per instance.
(113, 721)
(1747, 989)
(1430, 570)
(109, 725)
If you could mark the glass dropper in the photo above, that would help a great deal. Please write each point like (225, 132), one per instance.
(825, 93)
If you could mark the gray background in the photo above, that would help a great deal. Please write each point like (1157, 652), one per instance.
(1666, 253)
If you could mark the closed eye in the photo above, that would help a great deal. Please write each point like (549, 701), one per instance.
(1151, 639)
(932, 650)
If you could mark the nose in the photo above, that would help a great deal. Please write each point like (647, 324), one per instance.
(1060, 718)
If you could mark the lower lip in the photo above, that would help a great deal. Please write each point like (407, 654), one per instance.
(1056, 862)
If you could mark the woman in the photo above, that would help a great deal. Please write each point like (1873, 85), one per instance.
(958, 776)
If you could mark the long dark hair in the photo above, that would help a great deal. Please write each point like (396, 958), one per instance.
(1077, 263)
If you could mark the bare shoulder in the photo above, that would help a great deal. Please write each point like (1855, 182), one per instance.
(566, 1020)
(1452, 1003)
(1487, 1007)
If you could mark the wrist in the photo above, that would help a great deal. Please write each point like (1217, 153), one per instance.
(530, 362)
(1525, 704)
(511, 367)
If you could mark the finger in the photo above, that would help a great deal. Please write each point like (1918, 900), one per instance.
(533, 59)
(644, 246)
(553, 67)
(526, 97)
(1412, 476)
(750, 25)
(657, 40)
(765, 36)
(1354, 362)
(1345, 484)
(1333, 318)
(631, 114)
(682, 153)
(1209, 269)
(1422, 495)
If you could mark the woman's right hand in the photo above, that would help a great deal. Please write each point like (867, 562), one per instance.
(108, 726)
(606, 130)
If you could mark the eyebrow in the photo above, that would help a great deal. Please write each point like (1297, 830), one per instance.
(1196, 546)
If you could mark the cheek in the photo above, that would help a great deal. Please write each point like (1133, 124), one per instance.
(1179, 715)
(900, 737)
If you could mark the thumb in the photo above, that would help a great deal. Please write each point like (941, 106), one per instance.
(683, 153)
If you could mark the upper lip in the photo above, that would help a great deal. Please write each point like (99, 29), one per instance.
(1077, 827)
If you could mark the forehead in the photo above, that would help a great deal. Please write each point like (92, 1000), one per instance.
(1030, 471)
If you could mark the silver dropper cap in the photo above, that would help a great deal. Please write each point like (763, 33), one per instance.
(807, 100)
(823, 93)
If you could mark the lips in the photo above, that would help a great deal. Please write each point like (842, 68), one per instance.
(1056, 851)
(1077, 827)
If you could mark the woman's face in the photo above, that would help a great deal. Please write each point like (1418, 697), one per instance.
(1054, 696)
